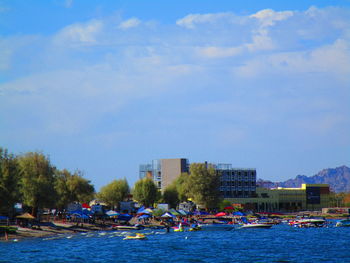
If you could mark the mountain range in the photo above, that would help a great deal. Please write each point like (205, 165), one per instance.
(337, 178)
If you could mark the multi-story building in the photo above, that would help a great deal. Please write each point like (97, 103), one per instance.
(236, 182)
(164, 171)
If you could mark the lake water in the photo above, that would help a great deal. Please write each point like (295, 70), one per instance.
(281, 243)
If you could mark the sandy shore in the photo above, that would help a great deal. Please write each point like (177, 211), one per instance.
(51, 230)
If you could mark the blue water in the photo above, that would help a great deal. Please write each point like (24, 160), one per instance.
(281, 243)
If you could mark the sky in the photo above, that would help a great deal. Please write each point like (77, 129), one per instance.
(104, 86)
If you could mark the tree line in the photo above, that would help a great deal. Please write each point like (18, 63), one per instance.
(31, 179)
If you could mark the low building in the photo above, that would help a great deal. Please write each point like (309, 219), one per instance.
(312, 197)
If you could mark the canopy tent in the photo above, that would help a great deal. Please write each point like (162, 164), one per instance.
(87, 212)
(144, 210)
(75, 212)
(221, 214)
(144, 216)
(201, 213)
(238, 213)
(229, 208)
(167, 214)
(182, 212)
(26, 216)
(85, 205)
(112, 213)
(174, 212)
(3, 218)
(124, 217)
(140, 210)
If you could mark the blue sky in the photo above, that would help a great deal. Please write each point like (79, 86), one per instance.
(103, 86)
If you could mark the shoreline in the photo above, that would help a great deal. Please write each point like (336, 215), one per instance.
(55, 229)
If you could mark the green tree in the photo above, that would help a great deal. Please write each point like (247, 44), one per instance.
(9, 182)
(146, 192)
(114, 192)
(203, 185)
(182, 187)
(37, 181)
(72, 188)
(223, 204)
(171, 196)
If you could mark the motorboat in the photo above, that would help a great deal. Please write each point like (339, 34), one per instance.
(308, 222)
(343, 223)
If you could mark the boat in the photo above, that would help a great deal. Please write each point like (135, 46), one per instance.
(256, 225)
(308, 222)
(137, 236)
(135, 227)
(343, 223)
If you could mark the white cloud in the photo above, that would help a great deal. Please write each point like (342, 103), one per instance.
(268, 17)
(219, 52)
(190, 21)
(331, 59)
(130, 23)
(80, 33)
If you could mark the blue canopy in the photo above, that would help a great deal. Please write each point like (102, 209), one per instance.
(3, 218)
(78, 212)
(139, 211)
(201, 213)
(87, 212)
(245, 220)
(124, 217)
(238, 213)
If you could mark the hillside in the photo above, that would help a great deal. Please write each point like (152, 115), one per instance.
(338, 179)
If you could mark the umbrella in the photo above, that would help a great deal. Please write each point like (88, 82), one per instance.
(228, 208)
(221, 214)
(25, 216)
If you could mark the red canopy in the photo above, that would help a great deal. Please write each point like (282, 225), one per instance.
(221, 214)
(85, 205)
(228, 208)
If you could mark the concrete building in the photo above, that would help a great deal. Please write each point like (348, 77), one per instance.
(164, 171)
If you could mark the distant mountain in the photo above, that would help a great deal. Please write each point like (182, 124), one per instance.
(337, 178)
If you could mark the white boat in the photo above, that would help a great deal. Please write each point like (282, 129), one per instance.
(256, 225)
(308, 222)
(343, 223)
